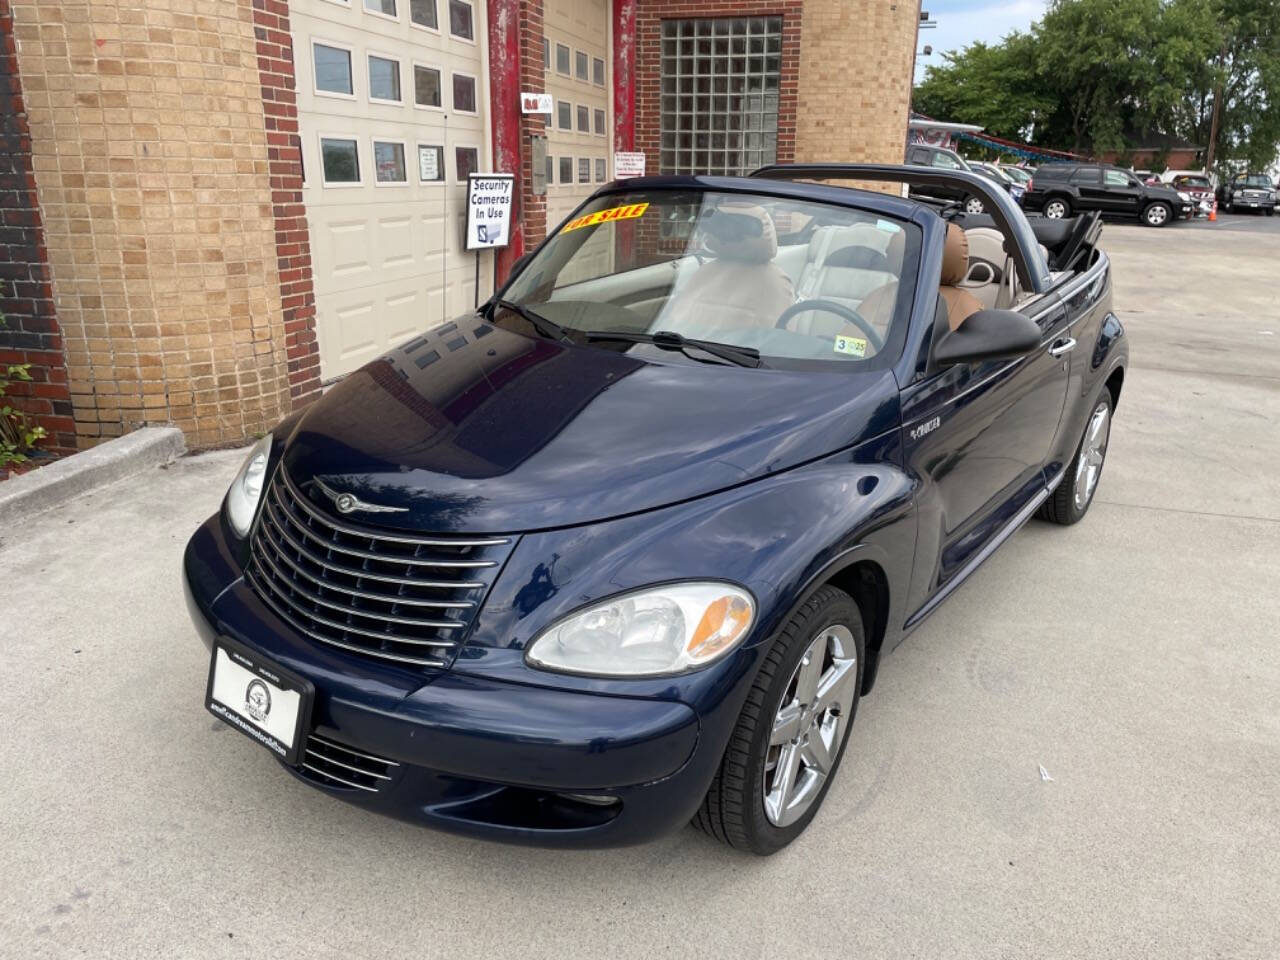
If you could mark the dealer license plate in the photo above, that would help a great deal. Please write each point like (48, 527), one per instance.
(261, 699)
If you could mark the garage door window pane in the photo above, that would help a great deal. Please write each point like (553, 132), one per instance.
(562, 59)
(430, 163)
(460, 24)
(333, 69)
(388, 162)
(340, 160)
(467, 160)
(713, 90)
(384, 79)
(464, 93)
(426, 86)
(387, 7)
(597, 72)
(564, 115)
(566, 169)
(584, 119)
(580, 61)
(423, 13)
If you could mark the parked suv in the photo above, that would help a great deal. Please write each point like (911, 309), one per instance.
(1063, 189)
(923, 155)
(1248, 191)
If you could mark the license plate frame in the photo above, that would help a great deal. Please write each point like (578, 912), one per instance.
(280, 686)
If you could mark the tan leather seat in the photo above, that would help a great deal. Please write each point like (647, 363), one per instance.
(961, 304)
(742, 287)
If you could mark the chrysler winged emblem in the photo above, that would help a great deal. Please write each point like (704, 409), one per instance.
(350, 503)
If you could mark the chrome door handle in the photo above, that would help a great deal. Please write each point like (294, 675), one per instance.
(1061, 347)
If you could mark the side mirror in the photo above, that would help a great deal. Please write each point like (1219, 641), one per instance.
(988, 335)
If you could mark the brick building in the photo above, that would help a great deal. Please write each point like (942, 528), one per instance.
(210, 207)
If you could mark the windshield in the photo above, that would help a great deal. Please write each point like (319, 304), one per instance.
(802, 283)
(1201, 182)
(1257, 180)
(1016, 173)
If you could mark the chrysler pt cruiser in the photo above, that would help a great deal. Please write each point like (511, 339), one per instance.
(623, 549)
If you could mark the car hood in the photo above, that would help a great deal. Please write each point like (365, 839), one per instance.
(473, 428)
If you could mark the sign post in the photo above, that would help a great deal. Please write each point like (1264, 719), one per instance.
(490, 197)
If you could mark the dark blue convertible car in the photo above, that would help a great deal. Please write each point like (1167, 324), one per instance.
(623, 549)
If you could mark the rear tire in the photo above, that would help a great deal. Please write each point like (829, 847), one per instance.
(748, 807)
(973, 206)
(1071, 499)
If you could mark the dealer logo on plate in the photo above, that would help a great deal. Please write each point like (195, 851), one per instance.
(257, 700)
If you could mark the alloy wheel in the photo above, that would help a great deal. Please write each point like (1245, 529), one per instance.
(1093, 450)
(1055, 209)
(974, 206)
(810, 724)
(1157, 214)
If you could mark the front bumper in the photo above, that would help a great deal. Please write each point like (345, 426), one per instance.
(476, 755)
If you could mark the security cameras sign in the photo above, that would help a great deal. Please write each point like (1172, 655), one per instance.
(489, 200)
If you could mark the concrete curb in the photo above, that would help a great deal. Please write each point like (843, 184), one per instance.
(53, 485)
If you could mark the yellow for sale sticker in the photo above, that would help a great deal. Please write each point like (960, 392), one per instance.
(629, 212)
(854, 346)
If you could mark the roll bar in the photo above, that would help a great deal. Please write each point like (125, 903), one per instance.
(1008, 216)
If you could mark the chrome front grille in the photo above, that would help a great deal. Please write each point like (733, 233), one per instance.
(333, 765)
(382, 593)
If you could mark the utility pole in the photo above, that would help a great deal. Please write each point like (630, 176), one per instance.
(1211, 153)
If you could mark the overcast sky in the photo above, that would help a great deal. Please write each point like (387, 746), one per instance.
(961, 22)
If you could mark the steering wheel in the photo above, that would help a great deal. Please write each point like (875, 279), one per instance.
(839, 309)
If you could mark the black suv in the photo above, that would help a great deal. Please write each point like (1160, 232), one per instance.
(1062, 189)
(1248, 191)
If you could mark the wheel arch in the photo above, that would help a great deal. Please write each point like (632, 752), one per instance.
(866, 581)
(1114, 382)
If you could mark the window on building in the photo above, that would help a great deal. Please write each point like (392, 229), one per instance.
(467, 161)
(584, 169)
(564, 115)
(388, 162)
(340, 160)
(600, 169)
(430, 162)
(599, 121)
(385, 7)
(426, 86)
(461, 23)
(333, 69)
(562, 58)
(464, 93)
(597, 71)
(580, 65)
(584, 118)
(546, 53)
(719, 84)
(423, 13)
(566, 169)
(384, 79)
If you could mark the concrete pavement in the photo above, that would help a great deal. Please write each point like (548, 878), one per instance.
(1133, 657)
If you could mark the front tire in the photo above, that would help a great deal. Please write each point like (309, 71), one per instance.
(790, 736)
(1056, 208)
(1157, 214)
(1070, 501)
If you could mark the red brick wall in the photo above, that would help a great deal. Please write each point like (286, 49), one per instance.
(30, 333)
(293, 241)
(648, 64)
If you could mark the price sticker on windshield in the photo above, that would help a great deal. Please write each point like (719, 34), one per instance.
(630, 212)
(853, 346)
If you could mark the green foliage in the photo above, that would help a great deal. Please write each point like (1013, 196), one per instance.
(1098, 75)
(17, 435)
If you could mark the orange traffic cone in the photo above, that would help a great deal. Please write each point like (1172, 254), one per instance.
(1213, 212)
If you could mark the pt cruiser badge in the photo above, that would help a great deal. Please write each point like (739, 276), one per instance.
(651, 516)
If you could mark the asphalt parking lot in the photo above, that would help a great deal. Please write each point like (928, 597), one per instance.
(1132, 657)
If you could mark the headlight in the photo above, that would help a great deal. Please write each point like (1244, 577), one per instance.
(246, 488)
(659, 630)
(1184, 197)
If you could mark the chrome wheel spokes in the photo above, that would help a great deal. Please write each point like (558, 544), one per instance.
(809, 724)
(1093, 450)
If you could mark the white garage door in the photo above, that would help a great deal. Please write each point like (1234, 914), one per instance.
(392, 99)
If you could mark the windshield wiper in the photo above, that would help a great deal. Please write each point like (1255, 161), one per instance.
(545, 326)
(669, 340)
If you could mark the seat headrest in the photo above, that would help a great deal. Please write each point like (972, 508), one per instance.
(861, 258)
(742, 232)
(955, 256)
